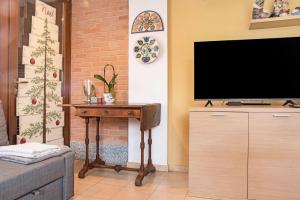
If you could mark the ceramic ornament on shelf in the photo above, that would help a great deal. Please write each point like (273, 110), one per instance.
(285, 9)
(281, 8)
(296, 11)
(39, 99)
(257, 9)
(147, 21)
(146, 50)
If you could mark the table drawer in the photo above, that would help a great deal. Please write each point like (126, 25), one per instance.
(108, 112)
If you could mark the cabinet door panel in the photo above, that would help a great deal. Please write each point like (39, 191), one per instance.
(274, 156)
(218, 155)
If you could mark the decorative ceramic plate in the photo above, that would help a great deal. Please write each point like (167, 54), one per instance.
(147, 21)
(146, 50)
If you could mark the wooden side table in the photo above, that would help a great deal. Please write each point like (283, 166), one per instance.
(147, 114)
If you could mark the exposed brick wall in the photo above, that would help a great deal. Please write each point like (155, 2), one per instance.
(99, 37)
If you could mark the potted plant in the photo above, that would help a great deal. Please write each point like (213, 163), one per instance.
(110, 94)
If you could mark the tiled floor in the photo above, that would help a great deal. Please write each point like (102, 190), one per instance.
(107, 184)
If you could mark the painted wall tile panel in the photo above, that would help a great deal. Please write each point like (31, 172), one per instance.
(56, 134)
(25, 85)
(33, 42)
(22, 102)
(24, 121)
(24, 139)
(27, 58)
(30, 73)
(44, 11)
(56, 137)
(37, 28)
(59, 142)
(58, 61)
(55, 130)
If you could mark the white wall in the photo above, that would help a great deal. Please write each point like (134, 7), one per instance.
(148, 83)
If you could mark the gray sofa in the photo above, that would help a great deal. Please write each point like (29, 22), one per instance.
(46, 180)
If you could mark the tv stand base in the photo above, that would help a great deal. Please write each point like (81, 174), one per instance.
(289, 102)
(234, 103)
(239, 103)
(209, 103)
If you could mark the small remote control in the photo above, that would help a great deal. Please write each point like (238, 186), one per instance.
(295, 106)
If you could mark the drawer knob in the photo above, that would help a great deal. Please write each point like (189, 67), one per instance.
(106, 111)
(83, 111)
(130, 113)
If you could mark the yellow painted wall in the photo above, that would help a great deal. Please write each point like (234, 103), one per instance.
(202, 20)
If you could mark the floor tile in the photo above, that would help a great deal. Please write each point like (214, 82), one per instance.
(101, 191)
(129, 194)
(81, 185)
(170, 194)
(106, 184)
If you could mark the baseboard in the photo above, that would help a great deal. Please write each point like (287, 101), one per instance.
(162, 168)
(178, 168)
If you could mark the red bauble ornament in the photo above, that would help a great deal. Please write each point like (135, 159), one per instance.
(57, 122)
(32, 61)
(34, 101)
(54, 74)
(23, 140)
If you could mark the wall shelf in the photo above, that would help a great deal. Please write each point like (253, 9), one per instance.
(275, 22)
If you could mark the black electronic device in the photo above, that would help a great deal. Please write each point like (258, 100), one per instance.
(255, 69)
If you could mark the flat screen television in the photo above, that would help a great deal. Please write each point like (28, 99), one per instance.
(252, 69)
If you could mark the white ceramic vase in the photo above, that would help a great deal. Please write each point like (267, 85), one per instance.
(108, 98)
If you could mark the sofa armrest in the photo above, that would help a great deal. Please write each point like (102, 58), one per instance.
(68, 179)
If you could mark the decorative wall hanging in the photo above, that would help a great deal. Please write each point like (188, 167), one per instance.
(146, 50)
(147, 21)
(39, 100)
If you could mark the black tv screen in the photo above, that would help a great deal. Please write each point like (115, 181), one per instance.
(247, 69)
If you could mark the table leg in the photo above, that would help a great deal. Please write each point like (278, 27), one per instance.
(86, 166)
(150, 167)
(140, 177)
(98, 159)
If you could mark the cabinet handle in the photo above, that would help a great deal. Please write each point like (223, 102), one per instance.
(130, 113)
(83, 111)
(218, 115)
(280, 115)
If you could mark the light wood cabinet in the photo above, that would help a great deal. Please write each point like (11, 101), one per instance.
(218, 155)
(243, 153)
(274, 156)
